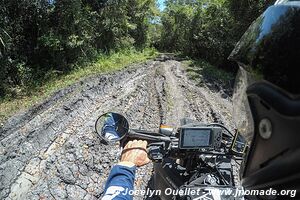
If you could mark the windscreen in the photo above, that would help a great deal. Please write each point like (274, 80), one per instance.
(241, 110)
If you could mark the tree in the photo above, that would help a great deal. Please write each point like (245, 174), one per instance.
(52, 35)
(207, 29)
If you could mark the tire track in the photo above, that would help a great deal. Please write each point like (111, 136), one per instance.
(52, 151)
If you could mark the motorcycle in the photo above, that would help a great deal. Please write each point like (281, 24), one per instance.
(192, 161)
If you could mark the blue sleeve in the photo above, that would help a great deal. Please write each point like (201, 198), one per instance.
(119, 182)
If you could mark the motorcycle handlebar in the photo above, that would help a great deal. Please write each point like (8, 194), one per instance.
(145, 136)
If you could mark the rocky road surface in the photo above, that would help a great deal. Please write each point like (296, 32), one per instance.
(53, 152)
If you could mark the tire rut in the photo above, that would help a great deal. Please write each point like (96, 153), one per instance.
(52, 152)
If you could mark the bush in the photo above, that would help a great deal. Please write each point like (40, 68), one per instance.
(45, 36)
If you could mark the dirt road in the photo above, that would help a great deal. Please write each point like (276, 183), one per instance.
(52, 152)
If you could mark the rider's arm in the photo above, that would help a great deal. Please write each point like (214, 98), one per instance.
(121, 178)
(120, 181)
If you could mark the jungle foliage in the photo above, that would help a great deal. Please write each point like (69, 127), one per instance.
(207, 29)
(44, 37)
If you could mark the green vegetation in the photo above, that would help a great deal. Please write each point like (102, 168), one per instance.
(28, 96)
(41, 37)
(48, 44)
(207, 29)
(203, 72)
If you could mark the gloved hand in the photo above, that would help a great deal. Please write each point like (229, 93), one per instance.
(135, 153)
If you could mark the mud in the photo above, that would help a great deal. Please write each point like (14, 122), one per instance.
(52, 151)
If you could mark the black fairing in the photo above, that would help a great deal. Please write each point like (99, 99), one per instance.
(167, 176)
(271, 46)
(274, 162)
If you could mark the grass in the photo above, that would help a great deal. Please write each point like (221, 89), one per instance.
(104, 64)
(203, 72)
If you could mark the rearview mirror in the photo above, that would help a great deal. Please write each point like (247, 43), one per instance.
(112, 127)
(239, 144)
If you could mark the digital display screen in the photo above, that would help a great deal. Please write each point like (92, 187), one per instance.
(195, 138)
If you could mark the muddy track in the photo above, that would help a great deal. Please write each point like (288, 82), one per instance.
(52, 151)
